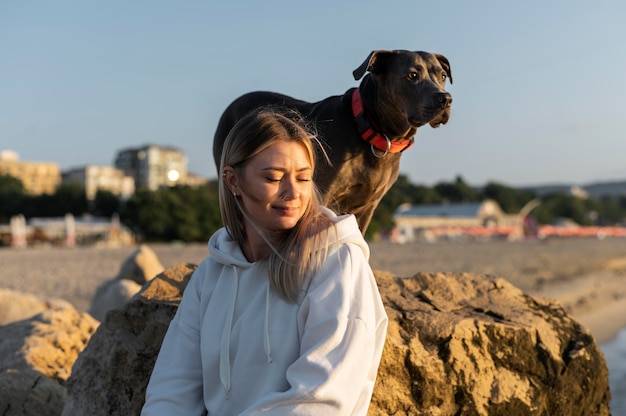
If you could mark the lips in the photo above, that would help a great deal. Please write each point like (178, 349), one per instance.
(431, 115)
(417, 123)
(287, 210)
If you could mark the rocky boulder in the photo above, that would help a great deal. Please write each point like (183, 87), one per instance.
(137, 269)
(141, 266)
(36, 358)
(16, 306)
(27, 393)
(468, 344)
(111, 375)
(458, 344)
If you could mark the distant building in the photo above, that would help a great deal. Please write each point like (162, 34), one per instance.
(196, 180)
(153, 166)
(37, 177)
(105, 178)
(413, 221)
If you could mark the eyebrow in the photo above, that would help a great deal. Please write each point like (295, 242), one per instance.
(302, 169)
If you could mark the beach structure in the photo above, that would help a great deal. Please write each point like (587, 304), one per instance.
(66, 231)
(468, 219)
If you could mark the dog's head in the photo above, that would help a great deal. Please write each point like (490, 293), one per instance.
(411, 85)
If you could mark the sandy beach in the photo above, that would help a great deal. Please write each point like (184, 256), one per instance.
(587, 276)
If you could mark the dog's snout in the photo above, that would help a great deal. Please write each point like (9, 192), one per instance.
(443, 99)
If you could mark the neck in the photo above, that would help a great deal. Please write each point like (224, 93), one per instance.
(255, 249)
(370, 133)
(254, 253)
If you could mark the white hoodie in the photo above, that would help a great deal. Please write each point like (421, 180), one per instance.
(236, 348)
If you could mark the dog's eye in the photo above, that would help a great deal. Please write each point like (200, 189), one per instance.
(413, 75)
(444, 77)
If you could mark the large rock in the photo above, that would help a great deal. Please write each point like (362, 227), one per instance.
(468, 344)
(28, 393)
(111, 375)
(141, 266)
(36, 357)
(458, 344)
(15, 306)
(48, 343)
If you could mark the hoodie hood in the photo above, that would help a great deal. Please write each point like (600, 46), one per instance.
(346, 231)
(227, 251)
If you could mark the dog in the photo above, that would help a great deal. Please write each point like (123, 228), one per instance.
(366, 129)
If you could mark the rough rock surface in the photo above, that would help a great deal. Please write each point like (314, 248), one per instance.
(111, 375)
(141, 266)
(15, 306)
(469, 344)
(28, 393)
(36, 357)
(458, 344)
(137, 269)
(48, 343)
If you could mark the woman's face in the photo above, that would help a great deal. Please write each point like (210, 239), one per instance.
(277, 186)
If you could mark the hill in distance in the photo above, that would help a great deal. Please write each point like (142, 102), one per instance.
(595, 190)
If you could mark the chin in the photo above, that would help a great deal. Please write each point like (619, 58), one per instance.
(287, 225)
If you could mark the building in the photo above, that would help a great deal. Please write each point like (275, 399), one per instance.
(471, 218)
(196, 180)
(37, 177)
(153, 166)
(105, 178)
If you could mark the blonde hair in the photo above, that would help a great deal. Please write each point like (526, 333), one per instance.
(300, 251)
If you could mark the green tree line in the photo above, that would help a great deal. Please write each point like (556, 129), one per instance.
(192, 214)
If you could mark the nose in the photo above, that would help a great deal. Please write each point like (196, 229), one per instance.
(290, 190)
(443, 99)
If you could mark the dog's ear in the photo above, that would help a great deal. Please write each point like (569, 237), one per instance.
(445, 65)
(374, 63)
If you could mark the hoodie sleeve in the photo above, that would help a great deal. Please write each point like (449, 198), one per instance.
(344, 328)
(175, 386)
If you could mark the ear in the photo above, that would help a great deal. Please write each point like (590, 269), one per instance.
(231, 180)
(445, 65)
(374, 63)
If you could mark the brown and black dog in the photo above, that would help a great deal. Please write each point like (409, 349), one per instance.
(366, 129)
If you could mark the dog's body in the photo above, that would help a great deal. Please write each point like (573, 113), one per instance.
(403, 91)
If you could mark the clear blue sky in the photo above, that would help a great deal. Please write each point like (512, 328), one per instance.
(539, 86)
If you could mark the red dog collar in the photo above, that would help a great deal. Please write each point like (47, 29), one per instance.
(377, 140)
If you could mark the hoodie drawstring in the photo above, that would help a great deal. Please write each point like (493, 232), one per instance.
(266, 330)
(225, 346)
(226, 334)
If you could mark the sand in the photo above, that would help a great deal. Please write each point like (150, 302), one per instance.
(587, 276)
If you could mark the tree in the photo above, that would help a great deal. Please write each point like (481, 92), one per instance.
(69, 198)
(560, 205)
(11, 184)
(458, 191)
(12, 196)
(105, 204)
(510, 199)
(179, 213)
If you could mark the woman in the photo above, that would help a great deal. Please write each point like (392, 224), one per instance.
(284, 317)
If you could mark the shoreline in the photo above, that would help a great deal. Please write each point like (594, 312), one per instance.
(596, 301)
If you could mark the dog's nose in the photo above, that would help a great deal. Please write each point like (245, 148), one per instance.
(443, 99)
